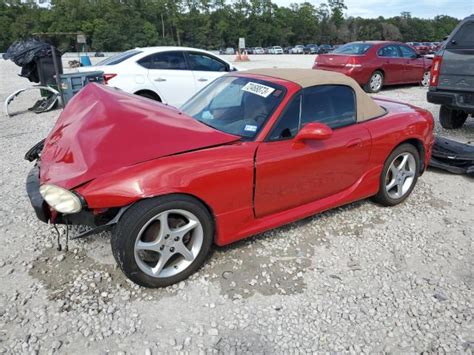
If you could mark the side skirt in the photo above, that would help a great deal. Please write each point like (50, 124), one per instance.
(366, 186)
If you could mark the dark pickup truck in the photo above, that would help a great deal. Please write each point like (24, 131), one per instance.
(452, 76)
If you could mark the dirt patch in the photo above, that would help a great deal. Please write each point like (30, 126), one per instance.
(60, 272)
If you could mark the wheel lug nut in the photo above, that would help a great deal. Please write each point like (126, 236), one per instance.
(162, 247)
(176, 239)
(171, 249)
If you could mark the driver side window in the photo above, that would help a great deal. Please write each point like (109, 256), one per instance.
(288, 123)
(333, 105)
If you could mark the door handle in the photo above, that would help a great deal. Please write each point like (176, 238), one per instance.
(355, 143)
(160, 79)
(202, 79)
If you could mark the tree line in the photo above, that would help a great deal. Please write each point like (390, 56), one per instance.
(116, 25)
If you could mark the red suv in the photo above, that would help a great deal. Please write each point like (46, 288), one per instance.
(374, 64)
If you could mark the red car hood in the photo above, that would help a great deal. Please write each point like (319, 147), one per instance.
(103, 129)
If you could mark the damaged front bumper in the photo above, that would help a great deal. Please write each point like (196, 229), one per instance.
(97, 222)
(452, 156)
(32, 188)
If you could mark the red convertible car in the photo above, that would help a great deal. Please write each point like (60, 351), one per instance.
(374, 64)
(252, 151)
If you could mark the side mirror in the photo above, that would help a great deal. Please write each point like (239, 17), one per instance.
(313, 131)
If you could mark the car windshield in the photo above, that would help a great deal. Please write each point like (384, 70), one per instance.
(353, 48)
(118, 58)
(235, 105)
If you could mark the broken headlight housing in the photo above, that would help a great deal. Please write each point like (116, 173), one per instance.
(62, 200)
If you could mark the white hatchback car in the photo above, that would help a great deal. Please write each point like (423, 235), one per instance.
(167, 74)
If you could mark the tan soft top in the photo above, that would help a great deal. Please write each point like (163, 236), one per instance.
(366, 107)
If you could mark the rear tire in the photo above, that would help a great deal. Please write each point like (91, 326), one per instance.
(451, 118)
(162, 241)
(375, 82)
(399, 175)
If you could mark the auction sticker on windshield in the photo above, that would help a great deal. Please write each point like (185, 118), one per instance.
(250, 128)
(258, 89)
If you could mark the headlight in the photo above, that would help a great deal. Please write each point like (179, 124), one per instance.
(60, 199)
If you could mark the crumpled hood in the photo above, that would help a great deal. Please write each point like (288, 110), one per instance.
(103, 129)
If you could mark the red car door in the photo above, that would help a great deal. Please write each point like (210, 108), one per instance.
(414, 66)
(290, 174)
(392, 64)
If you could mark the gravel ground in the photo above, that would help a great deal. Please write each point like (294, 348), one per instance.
(360, 278)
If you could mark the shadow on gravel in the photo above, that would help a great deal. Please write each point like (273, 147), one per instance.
(275, 262)
(73, 277)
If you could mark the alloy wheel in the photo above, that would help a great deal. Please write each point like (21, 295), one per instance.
(376, 82)
(400, 175)
(168, 243)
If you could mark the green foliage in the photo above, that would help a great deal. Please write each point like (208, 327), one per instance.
(116, 25)
(337, 8)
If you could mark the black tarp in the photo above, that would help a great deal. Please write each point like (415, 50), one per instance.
(27, 54)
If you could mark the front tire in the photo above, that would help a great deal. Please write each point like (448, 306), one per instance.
(399, 175)
(451, 118)
(375, 82)
(162, 241)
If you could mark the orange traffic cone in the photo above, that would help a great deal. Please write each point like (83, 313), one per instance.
(245, 57)
(238, 57)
